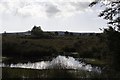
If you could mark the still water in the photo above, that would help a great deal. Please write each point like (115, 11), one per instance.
(60, 65)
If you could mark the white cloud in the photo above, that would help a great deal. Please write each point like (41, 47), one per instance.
(43, 8)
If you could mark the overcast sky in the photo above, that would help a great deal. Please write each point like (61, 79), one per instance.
(51, 15)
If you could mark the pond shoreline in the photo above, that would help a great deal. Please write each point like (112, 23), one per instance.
(47, 73)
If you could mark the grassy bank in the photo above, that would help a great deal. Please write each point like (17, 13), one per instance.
(52, 73)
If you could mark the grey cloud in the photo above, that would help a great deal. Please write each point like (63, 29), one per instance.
(52, 10)
(43, 9)
(80, 6)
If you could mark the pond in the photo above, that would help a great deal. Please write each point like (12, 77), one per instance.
(59, 67)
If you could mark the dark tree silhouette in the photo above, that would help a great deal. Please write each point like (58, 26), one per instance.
(66, 33)
(56, 33)
(111, 12)
(112, 34)
(37, 31)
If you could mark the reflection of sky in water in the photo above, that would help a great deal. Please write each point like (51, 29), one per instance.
(60, 62)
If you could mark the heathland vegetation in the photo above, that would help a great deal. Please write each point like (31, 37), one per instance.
(40, 45)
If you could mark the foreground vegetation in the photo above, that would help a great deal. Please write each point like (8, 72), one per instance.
(48, 73)
(28, 47)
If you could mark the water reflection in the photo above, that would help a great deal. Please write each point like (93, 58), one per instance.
(60, 62)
